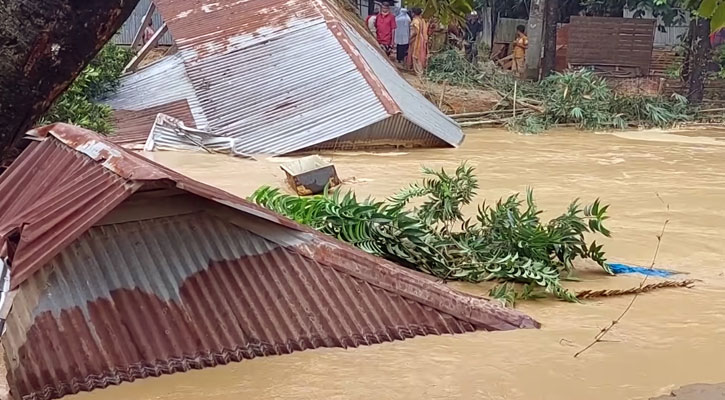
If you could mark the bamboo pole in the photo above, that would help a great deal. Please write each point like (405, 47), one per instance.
(478, 113)
(476, 123)
(515, 90)
(443, 94)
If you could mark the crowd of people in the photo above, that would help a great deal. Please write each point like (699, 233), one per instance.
(406, 33)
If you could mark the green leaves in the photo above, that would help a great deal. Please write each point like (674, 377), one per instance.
(445, 194)
(77, 105)
(452, 67)
(707, 7)
(507, 241)
(717, 18)
(583, 98)
(713, 10)
(580, 97)
(445, 11)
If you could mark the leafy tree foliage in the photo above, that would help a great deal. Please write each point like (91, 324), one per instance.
(78, 104)
(714, 10)
(506, 241)
(444, 11)
(670, 11)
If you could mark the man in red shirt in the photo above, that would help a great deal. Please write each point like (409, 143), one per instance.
(385, 28)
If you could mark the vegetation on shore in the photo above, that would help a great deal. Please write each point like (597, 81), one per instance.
(506, 241)
(78, 105)
(578, 97)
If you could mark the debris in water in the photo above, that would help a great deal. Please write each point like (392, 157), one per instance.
(310, 175)
(628, 269)
(168, 133)
(588, 294)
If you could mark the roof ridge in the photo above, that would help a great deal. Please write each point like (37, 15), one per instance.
(333, 23)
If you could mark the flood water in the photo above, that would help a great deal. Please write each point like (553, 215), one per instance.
(669, 338)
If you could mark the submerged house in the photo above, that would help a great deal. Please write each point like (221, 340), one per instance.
(122, 269)
(277, 76)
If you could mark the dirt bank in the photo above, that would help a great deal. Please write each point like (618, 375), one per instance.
(454, 99)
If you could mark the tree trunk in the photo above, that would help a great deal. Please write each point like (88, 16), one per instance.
(534, 30)
(44, 44)
(494, 22)
(550, 20)
(685, 72)
(699, 60)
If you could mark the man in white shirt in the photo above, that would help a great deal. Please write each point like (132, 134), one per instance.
(402, 35)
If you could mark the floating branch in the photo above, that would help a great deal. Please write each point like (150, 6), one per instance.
(589, 294)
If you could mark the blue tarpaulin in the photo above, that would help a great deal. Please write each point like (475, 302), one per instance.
(628, 269)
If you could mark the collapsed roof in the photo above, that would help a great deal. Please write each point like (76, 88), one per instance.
(280, 76)
(122, 269)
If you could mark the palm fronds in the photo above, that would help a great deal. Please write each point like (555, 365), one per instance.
(506, 241)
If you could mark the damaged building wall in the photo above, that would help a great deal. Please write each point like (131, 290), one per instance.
(44, 46)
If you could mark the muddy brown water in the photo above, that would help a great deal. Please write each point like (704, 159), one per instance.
(669, 338)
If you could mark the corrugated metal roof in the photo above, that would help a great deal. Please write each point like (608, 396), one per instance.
(165, 295)
(283, 101)
(49, 196)
(167, 284)
(72, 179)
(206, 24)
(168, 133)
(284, 75)
(415, 107)
(159, 84)
(133, 127)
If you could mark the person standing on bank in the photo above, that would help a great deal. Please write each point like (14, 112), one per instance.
(402, 35)
(473, 31)
(418, 42)
(385, 28)
(520, 45)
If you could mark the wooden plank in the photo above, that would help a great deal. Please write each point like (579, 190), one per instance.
(602, 41)
(614, 53)
(144, 23)
(611, 41)
(134, 63)
(640, 55)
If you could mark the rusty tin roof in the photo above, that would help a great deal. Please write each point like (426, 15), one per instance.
(191, 280)
(71, 181)
(285, 75)
(133, 127)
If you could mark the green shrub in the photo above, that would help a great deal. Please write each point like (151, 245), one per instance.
(583, 98)
(78, 104)
(506, 241)
(576, 97)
